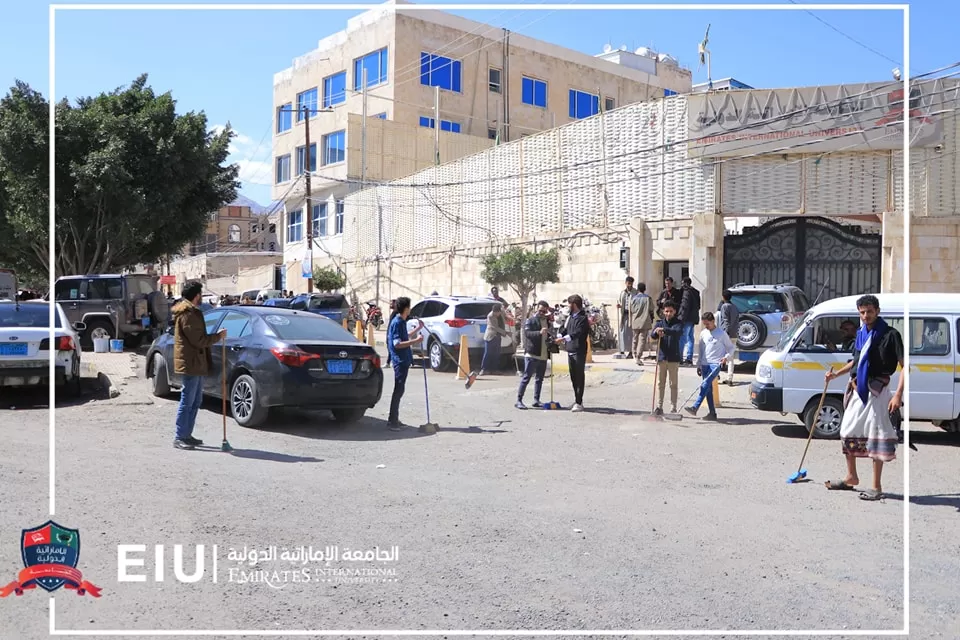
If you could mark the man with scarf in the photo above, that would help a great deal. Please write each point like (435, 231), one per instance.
(866, 430)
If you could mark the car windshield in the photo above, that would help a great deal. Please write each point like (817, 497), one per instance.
(294, 327)
(787, 338)
(328, 303)
(758, 302)
(34, 316)
(473, 310)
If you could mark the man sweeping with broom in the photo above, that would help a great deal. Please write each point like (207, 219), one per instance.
(536, 334)
(866, 430)
(191, 360)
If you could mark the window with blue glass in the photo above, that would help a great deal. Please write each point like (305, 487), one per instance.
(583, 104)
(283, 168)
(320, 219)
(334, 148)
(335, 89)
(300, 158)
(338, 221)
(375, 64)
(438, 71)
(295, 226)
(382, 116)
(284, 117)
(533, 92)
(445, 125)
(669, 92)
(308, 100)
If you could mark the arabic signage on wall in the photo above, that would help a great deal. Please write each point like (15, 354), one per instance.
(816, 119)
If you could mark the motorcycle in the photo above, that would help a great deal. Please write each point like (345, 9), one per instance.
(374, 314)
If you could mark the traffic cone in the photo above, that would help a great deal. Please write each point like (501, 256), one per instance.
(589, 350)
(716, 392)
(464, 359)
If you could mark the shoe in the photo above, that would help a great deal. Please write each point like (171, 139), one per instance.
(520, 405)
(194, 441)
(730, 382)
(395, 426)
(658, 411)
(537, 405)
(182, 444)
(691, 410)
(712, 417)
(629, 354)
(576, 408)
(673, 409)
(482, 373)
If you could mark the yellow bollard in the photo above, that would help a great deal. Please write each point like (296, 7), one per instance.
(358, 331)
(589, 350)
(371, 338)
(345, 324)
(716, 392)
(464, 359)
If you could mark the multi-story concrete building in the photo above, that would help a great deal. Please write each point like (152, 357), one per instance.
(723, 84)
(235, 228)
(483, 84)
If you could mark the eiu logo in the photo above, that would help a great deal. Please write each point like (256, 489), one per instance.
(50, 555)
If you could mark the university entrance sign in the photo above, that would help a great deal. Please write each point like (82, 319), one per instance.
(850, 117)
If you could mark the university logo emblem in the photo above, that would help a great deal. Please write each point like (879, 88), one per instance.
(50, 555)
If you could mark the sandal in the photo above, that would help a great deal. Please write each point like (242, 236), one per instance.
(838, 485)
(871, 495)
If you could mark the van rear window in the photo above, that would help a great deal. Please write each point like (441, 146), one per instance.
(751, 302)
(473, 310)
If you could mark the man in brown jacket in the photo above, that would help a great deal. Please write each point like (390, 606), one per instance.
(191, 360)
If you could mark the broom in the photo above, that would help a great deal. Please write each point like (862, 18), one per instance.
(552, 405)
(224, 446)
(428, 426)
(801, 473)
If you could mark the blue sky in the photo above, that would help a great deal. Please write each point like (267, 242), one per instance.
(222, 62)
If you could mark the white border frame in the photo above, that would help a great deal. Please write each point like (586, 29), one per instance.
(905, 8)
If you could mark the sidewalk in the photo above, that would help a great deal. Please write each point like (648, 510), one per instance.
(113, 370)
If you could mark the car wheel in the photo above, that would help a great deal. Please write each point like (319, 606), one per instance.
(160, 380)
(751, 331)
(828, 424)
(245, 402)
(98, 329)
(72, 386)
(348, 416)
(438, 359)
(950, 426)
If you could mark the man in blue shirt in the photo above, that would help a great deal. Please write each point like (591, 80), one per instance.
(398, 346)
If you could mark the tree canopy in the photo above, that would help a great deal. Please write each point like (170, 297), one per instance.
(522, 271)
(328, 279)
(134, 180)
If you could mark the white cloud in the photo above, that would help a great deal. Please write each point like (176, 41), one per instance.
(253, 158)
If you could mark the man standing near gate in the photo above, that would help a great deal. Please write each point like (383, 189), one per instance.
(574, 336)
(641, 317)
(626, 327)
(689, 316)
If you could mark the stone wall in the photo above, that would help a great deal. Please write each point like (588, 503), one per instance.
(935, 255)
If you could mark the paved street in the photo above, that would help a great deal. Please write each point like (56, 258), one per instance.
(504, 519)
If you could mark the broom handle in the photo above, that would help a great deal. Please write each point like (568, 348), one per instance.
(816, 419)
(223, 384)
(656, 369)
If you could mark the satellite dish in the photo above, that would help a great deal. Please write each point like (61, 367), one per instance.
(607, 48)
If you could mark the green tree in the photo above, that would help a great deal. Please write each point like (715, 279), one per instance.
(134, 180)
(328, 279)
(522, 271)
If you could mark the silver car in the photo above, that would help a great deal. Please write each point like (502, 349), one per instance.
(766, 312)
(446, 319)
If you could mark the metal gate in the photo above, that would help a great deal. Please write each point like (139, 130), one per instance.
(807, 252)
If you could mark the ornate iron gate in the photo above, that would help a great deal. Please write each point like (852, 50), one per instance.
(806, 252)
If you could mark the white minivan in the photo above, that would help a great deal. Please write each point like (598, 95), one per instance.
(789, 376)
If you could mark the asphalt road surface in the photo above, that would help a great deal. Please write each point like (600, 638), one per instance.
(502, 520)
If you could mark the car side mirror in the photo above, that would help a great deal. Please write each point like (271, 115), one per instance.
(79, 327)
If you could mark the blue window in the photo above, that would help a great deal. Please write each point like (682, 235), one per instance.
(295, 226)
(376, 66)
(334, 148)
(445, 125)
(339, 219)
(669, 92)
(307, 99)
(283, 168)
(583, 104)
(382, 116)
(533, 92)
(438, 71)
(300, 158)
(284, 117)
(320, 219)
(335, 89)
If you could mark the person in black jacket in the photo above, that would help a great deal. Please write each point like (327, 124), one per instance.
(669, 333)
(536, 332)
(689, 315)
(574, 336)
(669, 294)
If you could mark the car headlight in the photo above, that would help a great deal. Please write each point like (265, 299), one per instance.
(764, 371)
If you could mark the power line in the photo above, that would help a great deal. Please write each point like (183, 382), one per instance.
(848, 36)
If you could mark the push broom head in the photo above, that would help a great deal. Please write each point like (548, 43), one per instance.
(551, 406)
(225, 446)
(797, 477)
(471, 379)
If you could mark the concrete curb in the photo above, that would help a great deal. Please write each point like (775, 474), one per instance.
(90, 371)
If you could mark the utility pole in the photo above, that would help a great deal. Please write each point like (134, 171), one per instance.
(308, 214)
(363, 179)
(436, 125)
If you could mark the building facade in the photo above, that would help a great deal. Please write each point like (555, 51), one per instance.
(235, 229)
(433, 87)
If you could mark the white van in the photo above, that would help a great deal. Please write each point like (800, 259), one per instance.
(789, 376)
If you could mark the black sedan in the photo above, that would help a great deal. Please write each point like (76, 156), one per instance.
(279, 358)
